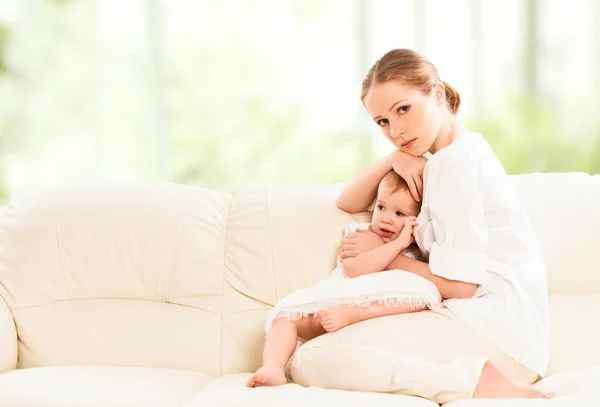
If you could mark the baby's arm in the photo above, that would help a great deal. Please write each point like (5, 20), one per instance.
(380, 258)
(372, 261)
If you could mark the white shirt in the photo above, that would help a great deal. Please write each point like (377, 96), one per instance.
(474, 229)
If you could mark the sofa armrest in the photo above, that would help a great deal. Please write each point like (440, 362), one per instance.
(8, 339)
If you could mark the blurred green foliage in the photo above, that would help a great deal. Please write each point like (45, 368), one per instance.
(216, 140)
(4, 37)
(528, 138)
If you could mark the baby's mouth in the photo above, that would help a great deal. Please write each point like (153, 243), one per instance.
(386, 232)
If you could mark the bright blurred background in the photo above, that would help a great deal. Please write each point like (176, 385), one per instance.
(232, 94)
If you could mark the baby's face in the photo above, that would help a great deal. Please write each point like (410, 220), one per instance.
(390, 212)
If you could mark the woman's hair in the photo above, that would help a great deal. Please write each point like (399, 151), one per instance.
(411, 68)
(394, 182)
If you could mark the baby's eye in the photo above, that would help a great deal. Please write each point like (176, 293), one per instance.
(380, 207)
(382, 122)
(398, 213)
(403, 109)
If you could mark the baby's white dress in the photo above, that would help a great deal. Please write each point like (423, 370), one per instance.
(390, 287)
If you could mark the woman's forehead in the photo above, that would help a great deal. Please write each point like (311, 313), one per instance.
(383, 96)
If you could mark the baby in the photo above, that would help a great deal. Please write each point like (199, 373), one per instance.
(394, 220)
(359, 288)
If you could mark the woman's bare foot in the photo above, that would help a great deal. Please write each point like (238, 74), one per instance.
(267, 376)
(494, 384)
(333, 319)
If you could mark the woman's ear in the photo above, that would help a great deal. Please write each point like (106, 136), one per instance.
(440, 94)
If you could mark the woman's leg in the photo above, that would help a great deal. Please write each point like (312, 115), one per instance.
(280, 346)
(336, 318)
(430, 354)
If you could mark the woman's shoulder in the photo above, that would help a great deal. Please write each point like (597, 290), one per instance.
(468, 157)
(466, 151)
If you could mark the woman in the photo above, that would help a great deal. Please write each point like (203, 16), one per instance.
(483, 255)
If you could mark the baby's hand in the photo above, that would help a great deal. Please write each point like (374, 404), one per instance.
(406, 235)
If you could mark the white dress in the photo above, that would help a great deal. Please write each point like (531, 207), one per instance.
(390, 287)
(472, 228)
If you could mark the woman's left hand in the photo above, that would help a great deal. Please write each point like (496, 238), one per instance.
(411, 170)
(363, 240)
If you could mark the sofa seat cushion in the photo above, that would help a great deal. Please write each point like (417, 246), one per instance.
(575, 388)
(99, 386)
(556, 402)
(231, 391)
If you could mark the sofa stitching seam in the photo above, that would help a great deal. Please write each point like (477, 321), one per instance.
(175, 247)
(223, 281)
(60, 255)
(271, 241)
(52, 302)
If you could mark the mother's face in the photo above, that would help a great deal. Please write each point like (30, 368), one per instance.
(408, 118)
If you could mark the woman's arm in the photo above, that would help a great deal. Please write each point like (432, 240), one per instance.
(360, 191)
(447, 288)
(359, 259)
(458, 258)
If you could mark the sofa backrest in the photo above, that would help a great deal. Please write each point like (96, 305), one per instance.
(116, 274)
(164, 275)
(565, 212)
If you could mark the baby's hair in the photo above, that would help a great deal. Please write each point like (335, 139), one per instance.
(394, 182)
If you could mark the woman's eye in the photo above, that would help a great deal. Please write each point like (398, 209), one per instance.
(382, 122)
(403, 109)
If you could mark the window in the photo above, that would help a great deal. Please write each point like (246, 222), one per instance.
(233, 94)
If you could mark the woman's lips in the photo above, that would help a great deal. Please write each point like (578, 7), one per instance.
(408, 143)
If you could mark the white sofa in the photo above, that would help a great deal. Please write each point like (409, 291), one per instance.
(141, 294)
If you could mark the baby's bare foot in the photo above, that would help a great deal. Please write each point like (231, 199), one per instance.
(333, 319)
(267, 376)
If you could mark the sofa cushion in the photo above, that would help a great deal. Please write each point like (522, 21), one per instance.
(563, 209)
(133, 240)
(556, 402)
(91, 271)
(574, 331)
(231, 391)
(582, 383)
(8, 339)
(99, 386)
(119, 332)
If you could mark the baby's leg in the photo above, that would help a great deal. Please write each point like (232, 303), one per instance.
(280, 346)
(333, 319)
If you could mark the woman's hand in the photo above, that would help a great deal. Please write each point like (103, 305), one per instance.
(360, 242)
(411, 170)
